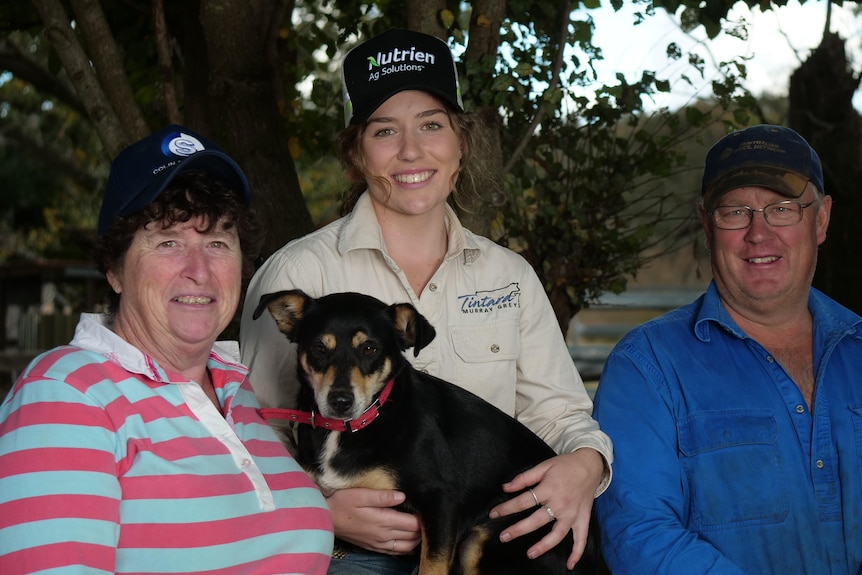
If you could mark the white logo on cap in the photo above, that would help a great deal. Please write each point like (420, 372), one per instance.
(185, 145)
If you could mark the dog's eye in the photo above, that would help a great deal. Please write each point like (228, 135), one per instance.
(368, 349)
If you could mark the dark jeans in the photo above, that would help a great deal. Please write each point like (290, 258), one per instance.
(354, 561)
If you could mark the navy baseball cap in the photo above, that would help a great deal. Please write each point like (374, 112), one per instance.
(767, 156)
(143, 170)
(394, 61)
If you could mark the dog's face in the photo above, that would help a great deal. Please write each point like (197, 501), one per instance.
(348, 344)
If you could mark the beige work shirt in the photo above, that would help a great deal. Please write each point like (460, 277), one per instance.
(497, 335)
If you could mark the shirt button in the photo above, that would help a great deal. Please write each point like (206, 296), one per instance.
(432, 287)
(495, 348)
(770, 359)
(819, 464)
(800, 409)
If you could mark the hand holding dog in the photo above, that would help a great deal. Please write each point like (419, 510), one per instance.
(364, 517)
(566, 484)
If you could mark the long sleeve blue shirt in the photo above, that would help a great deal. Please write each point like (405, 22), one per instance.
(720, 466)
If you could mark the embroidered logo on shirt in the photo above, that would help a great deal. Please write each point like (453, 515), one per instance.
(489, 300)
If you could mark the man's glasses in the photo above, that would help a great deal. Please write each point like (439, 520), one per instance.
(779, 214)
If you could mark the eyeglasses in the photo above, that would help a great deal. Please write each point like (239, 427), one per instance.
(779, 214)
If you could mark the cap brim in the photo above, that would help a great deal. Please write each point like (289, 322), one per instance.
(217, 163)
(359, 116)
(784, 182)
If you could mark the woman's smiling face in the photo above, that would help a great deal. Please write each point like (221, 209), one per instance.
(180, 286)
(412, 153)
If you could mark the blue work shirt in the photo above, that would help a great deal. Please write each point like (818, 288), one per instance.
(720, 467)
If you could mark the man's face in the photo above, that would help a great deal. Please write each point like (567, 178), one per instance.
(762, 267)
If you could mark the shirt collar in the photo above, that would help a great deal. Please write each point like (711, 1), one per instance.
(828, 315)
(93, 333)
(362, 231)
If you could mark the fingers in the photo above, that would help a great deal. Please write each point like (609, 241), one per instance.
(561, 493)
(376, 497)
(536, 520)
(365, 518)
(402, 543)
(528, 478)
(543, 516)
(526, 500)
(578, 548)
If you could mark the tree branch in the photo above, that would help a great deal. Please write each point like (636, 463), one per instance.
(15, 60)
(555, 80)
(109, 65)
(166, 69)
(58, 31)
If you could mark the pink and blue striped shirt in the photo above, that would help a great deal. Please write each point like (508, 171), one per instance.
(110, 464)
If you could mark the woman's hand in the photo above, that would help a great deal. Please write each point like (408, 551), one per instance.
(565, 485)
(365, 518)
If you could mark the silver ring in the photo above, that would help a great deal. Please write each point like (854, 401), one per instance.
(394, 545)
(550, 513)
(536, 499)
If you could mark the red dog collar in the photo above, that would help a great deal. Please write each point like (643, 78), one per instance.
(316, 420)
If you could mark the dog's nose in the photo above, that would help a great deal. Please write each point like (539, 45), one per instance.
(340, 401)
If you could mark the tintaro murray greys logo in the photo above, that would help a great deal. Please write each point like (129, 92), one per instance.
(398, 60)
(491, 300)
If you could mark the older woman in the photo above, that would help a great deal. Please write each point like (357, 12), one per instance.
(138, 446)
(406, 145)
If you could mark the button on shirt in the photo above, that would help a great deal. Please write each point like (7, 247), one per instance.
(720, 466)
(499, 336)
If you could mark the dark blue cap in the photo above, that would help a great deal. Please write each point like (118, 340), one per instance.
(143, 170)
(765, 156)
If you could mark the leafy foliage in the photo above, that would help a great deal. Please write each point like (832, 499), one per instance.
(585, 167)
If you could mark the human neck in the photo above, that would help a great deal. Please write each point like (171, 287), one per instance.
(176, 358)
(418, 245)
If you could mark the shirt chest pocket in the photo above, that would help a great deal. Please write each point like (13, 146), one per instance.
(487, 361)
(734, 468)
(486, 343)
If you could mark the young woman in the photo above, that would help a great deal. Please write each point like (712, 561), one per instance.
(406, 143)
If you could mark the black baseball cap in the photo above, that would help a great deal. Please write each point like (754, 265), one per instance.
(143, 170)
(767, 156)
(394, 61)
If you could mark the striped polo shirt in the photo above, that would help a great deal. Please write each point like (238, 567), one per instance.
(110, 464)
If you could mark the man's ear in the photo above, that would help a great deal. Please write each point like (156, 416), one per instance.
(824, 213)
(706, 224)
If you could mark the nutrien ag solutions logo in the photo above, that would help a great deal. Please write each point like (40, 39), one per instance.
(491, 300)
(398, 60)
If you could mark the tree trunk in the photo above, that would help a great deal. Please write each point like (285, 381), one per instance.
(480, 202)
(58, 30)
(108, 64)
(246, 115)
(821, 109)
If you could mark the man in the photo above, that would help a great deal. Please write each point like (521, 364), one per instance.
(737, 419)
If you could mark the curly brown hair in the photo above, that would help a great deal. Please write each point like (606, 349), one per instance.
(191, 194)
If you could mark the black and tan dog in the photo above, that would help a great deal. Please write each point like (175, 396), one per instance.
(374, 421)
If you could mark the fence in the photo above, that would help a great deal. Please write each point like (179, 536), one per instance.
(596, 329)
(36, 332)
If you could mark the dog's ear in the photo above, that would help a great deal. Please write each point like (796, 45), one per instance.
(413, 329)
(287, 307)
